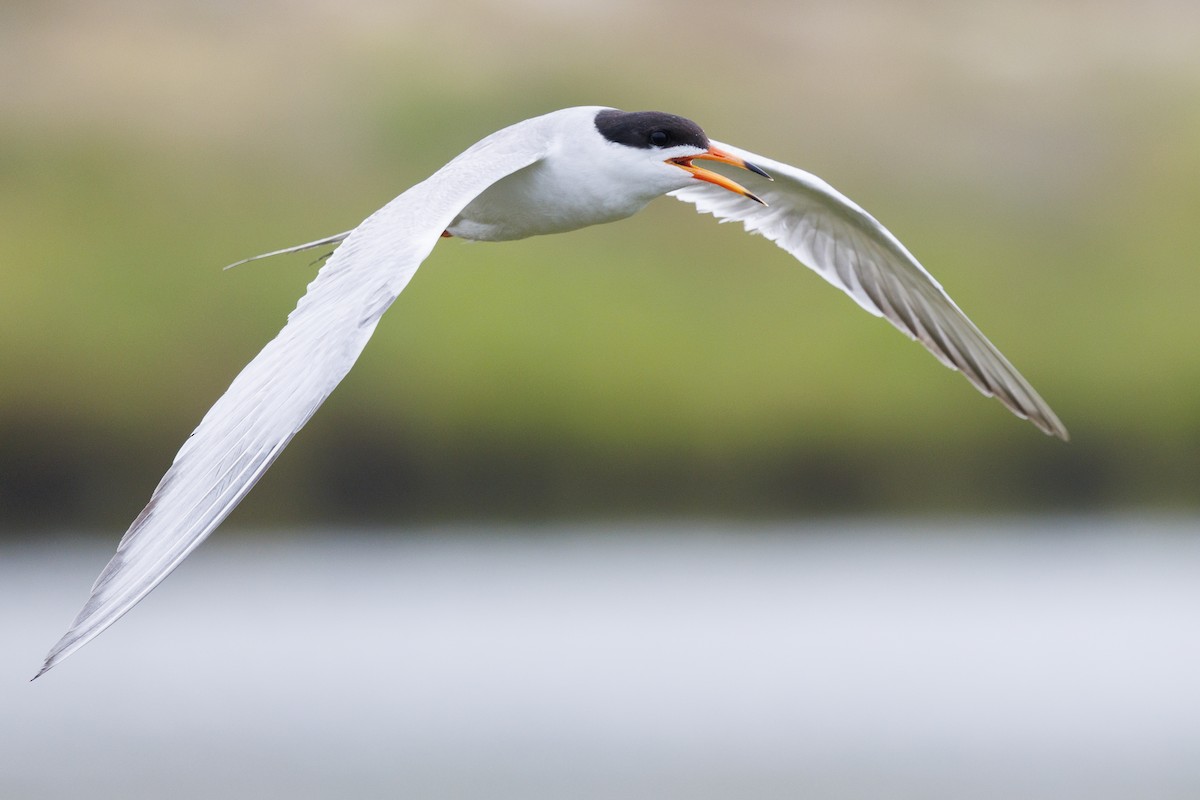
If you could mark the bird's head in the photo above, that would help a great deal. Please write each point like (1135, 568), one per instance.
(656, 140)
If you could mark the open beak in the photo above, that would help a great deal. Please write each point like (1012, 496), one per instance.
(716, 154)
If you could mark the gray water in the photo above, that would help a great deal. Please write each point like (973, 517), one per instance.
(1039, 659)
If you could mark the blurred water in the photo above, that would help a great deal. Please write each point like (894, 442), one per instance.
(1047, 658)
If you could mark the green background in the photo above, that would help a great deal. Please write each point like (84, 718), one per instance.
(1042, 161)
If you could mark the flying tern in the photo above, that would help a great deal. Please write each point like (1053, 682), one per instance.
(558, 172)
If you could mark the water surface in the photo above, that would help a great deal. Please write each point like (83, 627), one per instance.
(1043, 658)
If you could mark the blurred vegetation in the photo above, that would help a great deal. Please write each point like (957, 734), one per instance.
(1042, 163)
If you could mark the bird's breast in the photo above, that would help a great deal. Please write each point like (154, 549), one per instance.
(542, 199)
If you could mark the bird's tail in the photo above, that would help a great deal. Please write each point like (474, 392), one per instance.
(328, 240)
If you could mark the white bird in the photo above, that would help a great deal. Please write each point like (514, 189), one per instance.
(565, 170)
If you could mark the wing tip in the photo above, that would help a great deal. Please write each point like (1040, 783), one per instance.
(1049, 424)
(63, 648)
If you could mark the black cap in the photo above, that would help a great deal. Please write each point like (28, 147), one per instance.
(649, 129)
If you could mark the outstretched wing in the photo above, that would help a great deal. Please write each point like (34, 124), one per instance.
(277, 392)
(844, 244)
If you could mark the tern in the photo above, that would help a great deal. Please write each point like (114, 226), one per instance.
(554, 173)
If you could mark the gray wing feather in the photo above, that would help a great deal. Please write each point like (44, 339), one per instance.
(280, 389)
(844, 244)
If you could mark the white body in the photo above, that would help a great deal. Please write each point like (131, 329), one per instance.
(607, 182)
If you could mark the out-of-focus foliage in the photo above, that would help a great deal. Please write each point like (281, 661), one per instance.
(1041, 161)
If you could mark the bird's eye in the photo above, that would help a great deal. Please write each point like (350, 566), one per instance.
(659, 138)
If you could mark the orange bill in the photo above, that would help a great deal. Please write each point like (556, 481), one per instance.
(717, 179)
